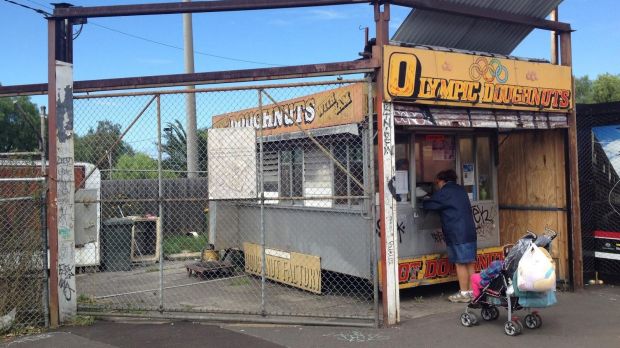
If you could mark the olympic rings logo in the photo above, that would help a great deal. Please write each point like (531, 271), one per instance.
(488, 70)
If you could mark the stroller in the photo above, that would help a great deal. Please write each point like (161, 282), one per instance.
(500, 291)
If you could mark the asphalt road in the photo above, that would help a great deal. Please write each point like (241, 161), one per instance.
(584, 319)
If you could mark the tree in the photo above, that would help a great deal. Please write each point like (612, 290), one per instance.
(99, 143)
(606, 88)
(175, 147)
(137, 166)
(583, 90)
(19, 125)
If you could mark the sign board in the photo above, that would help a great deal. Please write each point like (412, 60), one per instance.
(232, 163)
(299, 270)
(344, 105)
(425, 76)
(435, 268)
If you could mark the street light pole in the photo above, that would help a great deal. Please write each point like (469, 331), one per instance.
(190, 99)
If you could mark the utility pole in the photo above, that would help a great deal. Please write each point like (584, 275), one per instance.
(190, 99)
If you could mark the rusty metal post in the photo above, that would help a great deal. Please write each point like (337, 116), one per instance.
(51, 175)
(573, 165)
(385, 162)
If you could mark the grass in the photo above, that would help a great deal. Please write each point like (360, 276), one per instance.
(240, 282)
(82, 320)
(182, 244)
(85, 299)
(15, 331)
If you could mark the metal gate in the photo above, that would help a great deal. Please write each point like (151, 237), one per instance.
(23, 246)
(599, 181)
(268, 214)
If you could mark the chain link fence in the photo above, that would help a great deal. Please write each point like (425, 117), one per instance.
(599, 165)
(273, 218)
(23, 257)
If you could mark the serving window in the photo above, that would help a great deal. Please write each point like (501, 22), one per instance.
(470, 156)
(300, 169)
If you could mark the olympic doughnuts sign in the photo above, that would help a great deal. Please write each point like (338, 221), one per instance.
(426, 76)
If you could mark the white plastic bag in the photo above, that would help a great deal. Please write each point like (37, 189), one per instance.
(536, 271)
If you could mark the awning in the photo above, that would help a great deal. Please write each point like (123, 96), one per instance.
(425, 27)
(411, 115)
(351, 129)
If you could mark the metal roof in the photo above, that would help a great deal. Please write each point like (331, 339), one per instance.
(424, 27)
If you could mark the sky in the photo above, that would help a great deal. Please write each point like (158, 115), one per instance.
(277, 37)
(108, 47)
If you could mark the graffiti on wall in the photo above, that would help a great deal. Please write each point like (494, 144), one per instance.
(485, 217)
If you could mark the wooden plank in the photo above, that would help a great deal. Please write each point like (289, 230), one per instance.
(534, 177)
(511, 185)
(515, 223)
(540, 169)
(512, 225)
(560, 168)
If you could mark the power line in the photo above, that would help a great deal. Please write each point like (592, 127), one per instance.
(39, 11)
(154, 41)
(181, 48)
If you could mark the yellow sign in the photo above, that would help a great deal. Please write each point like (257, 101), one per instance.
(456, 79)
(344, 105)
(295, 269)
(435, 268)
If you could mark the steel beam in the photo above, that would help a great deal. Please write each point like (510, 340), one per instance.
(191, 7)
(263, 74)
(484, 13)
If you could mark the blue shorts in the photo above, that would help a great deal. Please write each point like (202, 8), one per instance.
(462, 253)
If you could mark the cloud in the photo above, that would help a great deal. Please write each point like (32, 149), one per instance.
(327, 14)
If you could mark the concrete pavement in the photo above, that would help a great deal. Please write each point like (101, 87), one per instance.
(584, 319)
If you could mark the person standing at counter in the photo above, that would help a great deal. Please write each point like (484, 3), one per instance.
(459, 230)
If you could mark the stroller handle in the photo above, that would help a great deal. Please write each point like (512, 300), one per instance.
(550, 233)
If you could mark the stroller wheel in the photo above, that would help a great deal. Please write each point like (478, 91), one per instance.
(512, 328)
(489, 313)
(533, 321)
(469, 319)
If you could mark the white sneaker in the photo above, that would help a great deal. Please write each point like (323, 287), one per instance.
(460, 297)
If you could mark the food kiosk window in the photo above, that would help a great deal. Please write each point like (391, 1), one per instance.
(485, 168)
(468, 155)
(467, 174)
(433, 154)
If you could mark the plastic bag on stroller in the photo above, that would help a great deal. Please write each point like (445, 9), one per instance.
(531, 299)
(511, 261)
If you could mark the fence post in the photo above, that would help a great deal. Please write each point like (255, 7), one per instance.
(63, 304)
(372, 204)
(161, 208)
(43, 207)
(262, 206)
(385, 161)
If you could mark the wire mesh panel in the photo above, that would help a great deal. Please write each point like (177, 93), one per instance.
(23, 258)
(268, 214)
(599, 149)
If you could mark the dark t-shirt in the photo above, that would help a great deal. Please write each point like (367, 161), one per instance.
(457, 221)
